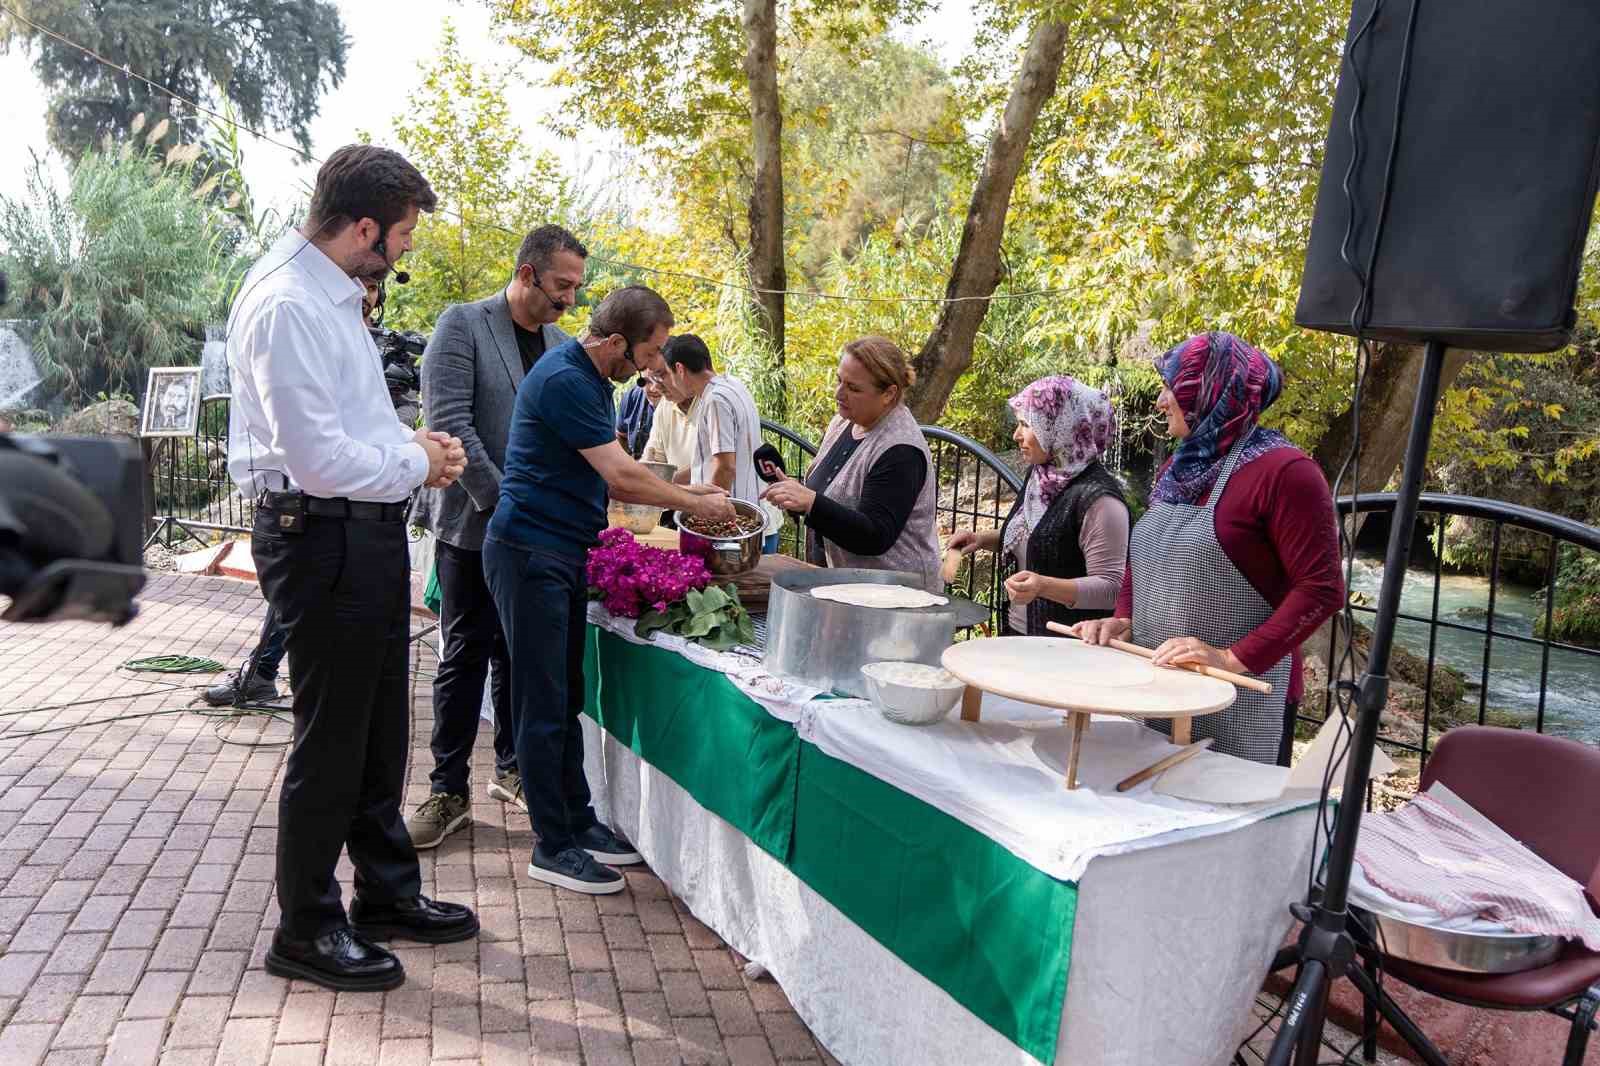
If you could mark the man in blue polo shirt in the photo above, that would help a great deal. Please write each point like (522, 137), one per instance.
(561, 460)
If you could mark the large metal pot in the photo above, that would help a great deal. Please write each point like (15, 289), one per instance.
(823, 643)
(725, 556)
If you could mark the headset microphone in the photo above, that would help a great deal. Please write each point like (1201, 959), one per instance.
(381, 247)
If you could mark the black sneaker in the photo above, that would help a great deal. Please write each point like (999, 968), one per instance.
(256, 690)
(608, 846)
(573, 868)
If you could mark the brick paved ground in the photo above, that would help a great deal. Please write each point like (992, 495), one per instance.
(136, 863)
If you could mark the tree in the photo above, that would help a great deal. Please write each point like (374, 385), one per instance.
(458, 130)
(272, 58)
(93, 265)
(767, 274)
(947, 352)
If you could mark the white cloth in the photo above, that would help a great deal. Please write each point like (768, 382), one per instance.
(309, 399)
(779, 697)
(726, 420)
(1005, 777)
(1148, 982)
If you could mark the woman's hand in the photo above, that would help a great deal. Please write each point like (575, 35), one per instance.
(791, 495)
(965, 542)
(1180, 650)
(1025, 586)
(1103, 630)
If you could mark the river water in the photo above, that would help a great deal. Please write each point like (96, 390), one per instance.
(1572, 700)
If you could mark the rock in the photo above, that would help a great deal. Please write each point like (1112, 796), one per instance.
(106, 419)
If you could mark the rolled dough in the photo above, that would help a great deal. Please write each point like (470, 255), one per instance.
(867, 594)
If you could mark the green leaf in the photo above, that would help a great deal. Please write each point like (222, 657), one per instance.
(712, 599)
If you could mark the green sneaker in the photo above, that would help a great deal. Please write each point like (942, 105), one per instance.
(507, 788)
(439, 815)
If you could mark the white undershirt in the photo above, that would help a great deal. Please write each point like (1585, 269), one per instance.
(310, 405)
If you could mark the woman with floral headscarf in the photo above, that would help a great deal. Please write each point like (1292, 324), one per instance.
(1236, 562)
(1067, 533)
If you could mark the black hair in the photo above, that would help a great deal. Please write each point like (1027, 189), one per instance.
(364, 181)
(541, 244)
(688, 351)
(634, 311)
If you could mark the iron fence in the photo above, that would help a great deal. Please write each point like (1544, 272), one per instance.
(1517, 640)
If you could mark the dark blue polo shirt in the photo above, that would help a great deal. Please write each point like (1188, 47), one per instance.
(550, 497)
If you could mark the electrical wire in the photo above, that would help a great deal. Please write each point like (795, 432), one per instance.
(173, 664)
(814, 294)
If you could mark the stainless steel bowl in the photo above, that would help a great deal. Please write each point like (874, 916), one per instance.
(725, 556)
(1446, 949)
(664, 471)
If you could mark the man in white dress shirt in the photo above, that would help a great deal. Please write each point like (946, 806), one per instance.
(313, 437)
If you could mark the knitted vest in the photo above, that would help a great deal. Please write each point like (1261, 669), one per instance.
(1053, 548)
(917, 548)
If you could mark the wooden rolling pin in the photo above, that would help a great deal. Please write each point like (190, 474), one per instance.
(1251, 683)
(1184, 753)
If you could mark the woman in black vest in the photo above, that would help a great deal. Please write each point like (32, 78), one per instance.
(1067, 533)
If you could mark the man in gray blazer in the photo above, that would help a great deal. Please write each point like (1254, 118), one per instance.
(477, 356)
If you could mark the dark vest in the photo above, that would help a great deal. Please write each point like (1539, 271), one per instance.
(1053, 548)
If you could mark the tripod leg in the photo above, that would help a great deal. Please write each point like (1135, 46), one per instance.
(1415, 1037)
(1582, 1023)
(1309, 992)
(1369, 1013)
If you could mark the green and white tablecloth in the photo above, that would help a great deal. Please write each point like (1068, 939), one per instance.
(903, 932)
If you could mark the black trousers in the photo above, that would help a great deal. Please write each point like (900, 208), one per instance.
(474, 649)
(542, 598)
(341, 590)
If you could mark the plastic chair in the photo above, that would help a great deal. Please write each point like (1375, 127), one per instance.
(1545, 792)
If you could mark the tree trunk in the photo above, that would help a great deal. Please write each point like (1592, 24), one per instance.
(1387, 398)
(766, 192)
(948, 350)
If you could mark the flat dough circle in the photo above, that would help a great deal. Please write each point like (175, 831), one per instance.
(868, 594)
(1211, 777)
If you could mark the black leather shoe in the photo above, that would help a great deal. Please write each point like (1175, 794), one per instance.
(418, 918)
(341, 960)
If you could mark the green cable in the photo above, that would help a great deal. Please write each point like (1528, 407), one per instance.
(174, 664)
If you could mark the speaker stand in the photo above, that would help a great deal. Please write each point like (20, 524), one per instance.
(1327, 949)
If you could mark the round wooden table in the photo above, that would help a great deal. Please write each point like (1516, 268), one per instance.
(1081, 679)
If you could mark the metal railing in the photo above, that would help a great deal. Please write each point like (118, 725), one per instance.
(1561, 537)
(189, 477)
(974, 491)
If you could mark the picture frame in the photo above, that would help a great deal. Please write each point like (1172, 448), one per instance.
(171, 402)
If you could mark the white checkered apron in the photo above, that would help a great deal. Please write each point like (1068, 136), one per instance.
(1184, 585)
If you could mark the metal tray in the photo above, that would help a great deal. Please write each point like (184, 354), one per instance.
(1446, 949)
(823, 643)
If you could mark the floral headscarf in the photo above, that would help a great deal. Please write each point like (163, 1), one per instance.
(1074, 424)
(1222, 385)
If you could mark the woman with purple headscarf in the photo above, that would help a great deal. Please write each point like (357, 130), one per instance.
(1236, 563)
(1067, 533)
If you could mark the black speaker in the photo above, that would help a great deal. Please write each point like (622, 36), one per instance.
(1493, 178)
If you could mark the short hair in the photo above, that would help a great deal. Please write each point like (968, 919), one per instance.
(543, 243)
(365, 181)
(886, 364)
(688, 351)
(634, 311)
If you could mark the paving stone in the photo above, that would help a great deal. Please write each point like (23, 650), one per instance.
(353, 1039)
(118, 971)
(199, 1022)
(49, 998)
(246, 1042)
(305, 1018)
(157, 995)
(24, 1044)
(91, 1023)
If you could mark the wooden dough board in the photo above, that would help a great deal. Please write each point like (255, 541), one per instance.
(1081, 680)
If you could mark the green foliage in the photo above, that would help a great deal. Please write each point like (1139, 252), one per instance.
(123, 269)
(712, 616)
(459, 131)
(1575, 616)
(272, 58)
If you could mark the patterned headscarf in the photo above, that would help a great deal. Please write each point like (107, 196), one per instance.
(1222, 385)
(1074, 424)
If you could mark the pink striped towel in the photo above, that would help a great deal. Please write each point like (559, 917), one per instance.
(1425, 853)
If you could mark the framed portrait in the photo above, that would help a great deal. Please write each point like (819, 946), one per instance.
(171, 402)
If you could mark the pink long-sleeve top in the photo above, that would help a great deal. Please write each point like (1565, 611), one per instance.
(1275, 523)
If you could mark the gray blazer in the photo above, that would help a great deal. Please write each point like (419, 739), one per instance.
(470, 374)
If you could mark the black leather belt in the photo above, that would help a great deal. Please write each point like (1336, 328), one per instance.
(338, 507)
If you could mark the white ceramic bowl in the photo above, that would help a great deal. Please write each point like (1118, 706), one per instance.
(911, 704)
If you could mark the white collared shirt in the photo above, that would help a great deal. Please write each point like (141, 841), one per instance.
(310, 405)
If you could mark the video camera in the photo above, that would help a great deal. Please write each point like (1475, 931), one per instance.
(71, 528)
(400, 353)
